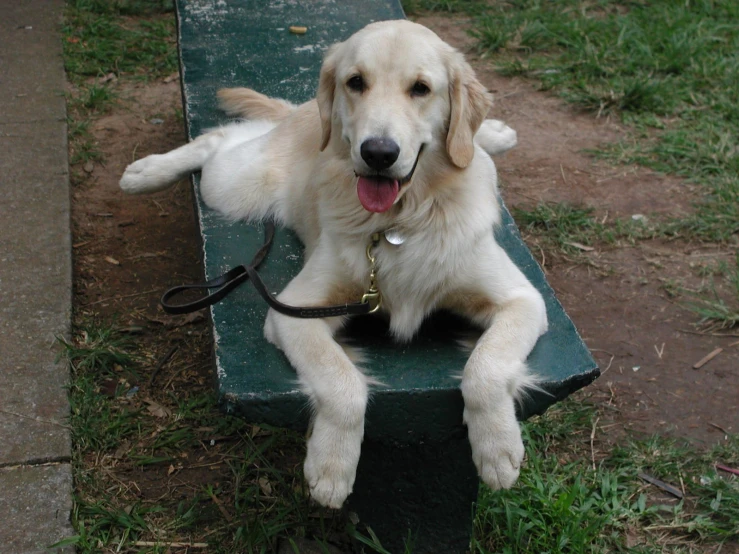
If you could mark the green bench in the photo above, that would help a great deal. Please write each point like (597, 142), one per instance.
(415, 473)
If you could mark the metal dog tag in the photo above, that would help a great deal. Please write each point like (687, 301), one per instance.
(393, 236)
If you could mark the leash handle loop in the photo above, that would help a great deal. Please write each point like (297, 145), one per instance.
(234, 277)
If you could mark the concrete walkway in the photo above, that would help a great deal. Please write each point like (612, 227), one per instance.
(35, 279)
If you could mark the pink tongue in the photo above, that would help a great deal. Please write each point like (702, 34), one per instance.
(377, 194)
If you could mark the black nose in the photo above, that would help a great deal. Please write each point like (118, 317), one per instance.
(379, 153)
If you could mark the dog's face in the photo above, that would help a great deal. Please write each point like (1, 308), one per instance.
(391, 92)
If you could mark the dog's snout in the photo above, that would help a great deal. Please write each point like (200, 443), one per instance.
(379, 153)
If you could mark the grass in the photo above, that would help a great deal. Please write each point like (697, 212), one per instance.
(573, 229)
(103, 37)
(719, 311)
(128, 441)
(572, 497)
(105, 40)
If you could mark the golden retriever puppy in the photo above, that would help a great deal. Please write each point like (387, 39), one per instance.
(392, 143)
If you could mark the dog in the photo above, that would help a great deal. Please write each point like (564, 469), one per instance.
(391, 143)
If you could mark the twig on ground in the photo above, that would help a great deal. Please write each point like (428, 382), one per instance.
(176, 373)
(660, 350)
(592, 442)
(707, 358)
(724, 431)
(162, 363)
(662, 485)
(682, 483)
(605, 352)
(708, 334)
(221, 507)
(172, 544)
(119, 297)
(727, 469)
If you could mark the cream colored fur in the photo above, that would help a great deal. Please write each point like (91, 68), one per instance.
(297, 164)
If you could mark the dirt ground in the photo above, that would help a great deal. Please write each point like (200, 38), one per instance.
(128, 250)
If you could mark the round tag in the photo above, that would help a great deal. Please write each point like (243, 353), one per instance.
(393, 236)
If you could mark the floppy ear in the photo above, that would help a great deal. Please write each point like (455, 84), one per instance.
(325, 97)
(470, 103)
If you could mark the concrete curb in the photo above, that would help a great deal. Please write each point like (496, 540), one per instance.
(35, 279)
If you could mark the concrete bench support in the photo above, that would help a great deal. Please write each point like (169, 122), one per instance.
(415, 472)
(424, 492)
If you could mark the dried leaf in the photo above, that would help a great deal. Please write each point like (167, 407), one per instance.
(157, 410)
(265, 486)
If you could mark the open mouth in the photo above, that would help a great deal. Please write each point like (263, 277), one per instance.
(377, 193)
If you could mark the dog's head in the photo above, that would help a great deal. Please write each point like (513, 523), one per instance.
(391, 92)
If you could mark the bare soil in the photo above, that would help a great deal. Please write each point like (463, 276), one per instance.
(127, 250)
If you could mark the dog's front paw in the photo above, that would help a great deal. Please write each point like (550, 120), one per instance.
(497, 448)
(148, 174)
(331, 463)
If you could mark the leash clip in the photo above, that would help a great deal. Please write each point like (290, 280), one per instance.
(373, 296)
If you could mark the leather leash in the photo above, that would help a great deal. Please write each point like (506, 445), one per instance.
(227, 282)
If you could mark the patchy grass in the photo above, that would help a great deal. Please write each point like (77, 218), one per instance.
(104, 41)
(572, 229)
(576, 495)
(154, 469)
(719, 311)
(103, 37)
(137, 454)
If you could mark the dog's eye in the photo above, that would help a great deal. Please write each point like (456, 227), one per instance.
(356, 84)
(420, 89)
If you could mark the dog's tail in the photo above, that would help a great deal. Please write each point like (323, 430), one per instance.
(249, 104)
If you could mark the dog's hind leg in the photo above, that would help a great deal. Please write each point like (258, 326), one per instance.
(244, 180)
(159, 171)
